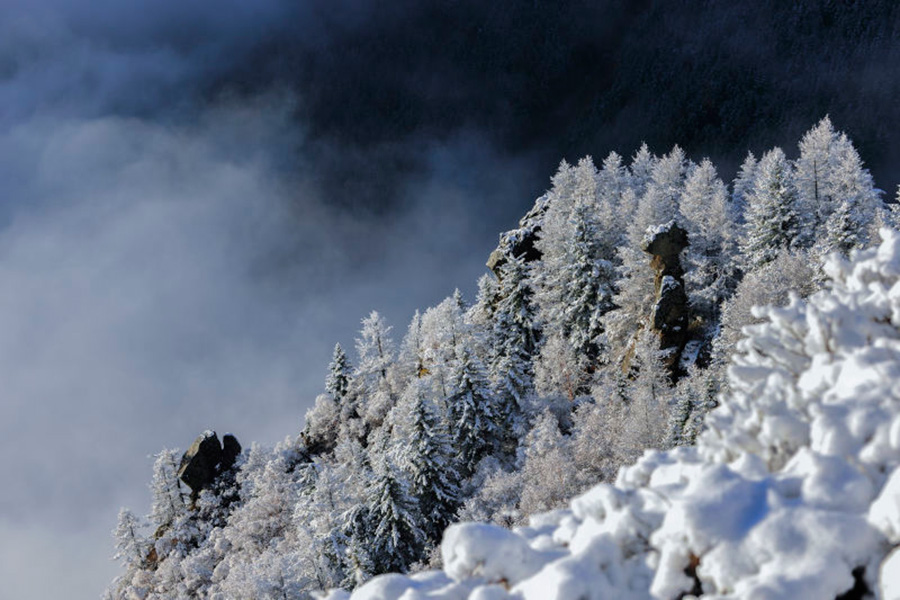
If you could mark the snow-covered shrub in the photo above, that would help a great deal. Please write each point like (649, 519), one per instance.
(792, 491)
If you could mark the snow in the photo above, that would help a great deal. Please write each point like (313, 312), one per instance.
(489, 552)
(890, 576)
(668, 284)
(655, 230)
(793, 486)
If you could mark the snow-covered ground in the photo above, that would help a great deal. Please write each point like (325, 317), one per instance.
(792, 491)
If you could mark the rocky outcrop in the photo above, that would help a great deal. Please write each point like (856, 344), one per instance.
(670, 315)
(522, 240)
(207, 460)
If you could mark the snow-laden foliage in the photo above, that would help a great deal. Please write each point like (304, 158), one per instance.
(793, 490)
(554, 381)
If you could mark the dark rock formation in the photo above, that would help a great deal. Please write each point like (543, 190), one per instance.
(231, 449)
(206, 460)
(670, 316)
(522, 240)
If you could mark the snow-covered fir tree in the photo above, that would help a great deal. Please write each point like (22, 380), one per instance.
(395, 539)
(476, 420)
(429, 460)
(337, 383)
(514, 340)
(742, 187)
(816, 198)
(641, 169)
(712, 273)
(773, 217)
(131, 545)
(376, 355)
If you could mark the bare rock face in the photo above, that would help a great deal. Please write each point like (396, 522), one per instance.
(206, 460)
(671, 312)
(521, 241)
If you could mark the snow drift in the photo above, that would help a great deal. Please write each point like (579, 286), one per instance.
(792, 490)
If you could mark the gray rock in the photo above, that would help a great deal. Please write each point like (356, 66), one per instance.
(670, 315)
(522, 241)
(206, 460)
(231, 449)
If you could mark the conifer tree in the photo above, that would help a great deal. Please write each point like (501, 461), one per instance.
(475, 423)
(548, 472)
(641, 169)
(412, 351)
(376, 355)
(742, 187)
(429, 461)
(815, 195)
(317, 519)
(856, 205)
(131, 546)
(842, 231)
(337, 383)
(695, 395)
(515, 340)
(480, 316)
(395, 539)
(613, 182)
(772, 221)
(661, 199)
(711, 273)
(168, 499)
(575, 276)
(443, 327)
(648, 394)
(359, 565)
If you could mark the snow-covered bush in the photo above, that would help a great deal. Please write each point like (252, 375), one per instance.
(792, 491)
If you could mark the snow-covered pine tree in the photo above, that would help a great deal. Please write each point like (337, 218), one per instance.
(429, 461)
(515, 339)
(335, 411)
(613, 182)
(842, 231)
(772, 220)
(815, 194)
(742, 187)
(346, 489)
(480, 316)
(648, 394)
(711, 271)
(376, 355)
(890, 214)
(337, 382)
(548, 473)
(411, 360)
(169, 507)
(694, 396)
(660, 203)
(641, 169)
(131, 546)
(856, 203)
(316, 520)
(356, 531)
(476, 424)
(575, 276)
(395, 539)
(443, 328)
